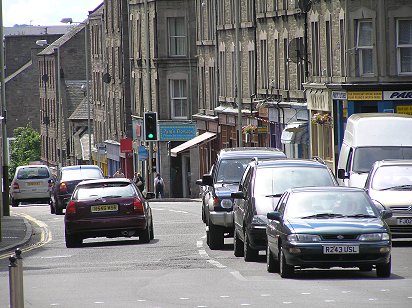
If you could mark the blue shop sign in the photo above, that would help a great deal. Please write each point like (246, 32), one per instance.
(177, 132)
(142, 152)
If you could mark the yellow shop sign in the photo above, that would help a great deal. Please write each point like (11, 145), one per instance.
(365, 96)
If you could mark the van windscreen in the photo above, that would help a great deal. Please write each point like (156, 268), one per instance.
(364, 157)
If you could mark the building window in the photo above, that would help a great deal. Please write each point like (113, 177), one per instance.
(342, 47)
(222, 73)
(249, 12)
(178, 98)
(262, 6)
(212, 88)
(286, 62)
(364, 46)
(252, 72)
(233, 71)
(404, 46)
(233, 11)
(177, 36)
(221, 13)
(328, 34)
(264, 67)
(277, 65)
(300, 66)
(315, 49)
(211, 28)
(200, 19)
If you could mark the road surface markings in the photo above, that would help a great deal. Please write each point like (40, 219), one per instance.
(176, 211)
(55, 257)
(203, 253)
(216, 263)
(238, 276)
(224, 296)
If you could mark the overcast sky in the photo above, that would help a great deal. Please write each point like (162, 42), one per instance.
(45, 12)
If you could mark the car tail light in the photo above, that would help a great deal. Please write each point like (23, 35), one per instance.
(138, 206)
(63, 188)
(216, 200)
(16, 186)
(71, 208)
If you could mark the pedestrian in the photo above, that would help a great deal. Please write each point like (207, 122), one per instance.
(119, 173)
(138, 179)
(159, 186)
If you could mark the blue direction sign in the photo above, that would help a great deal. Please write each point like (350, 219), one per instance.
(177, 132)
(142, 152)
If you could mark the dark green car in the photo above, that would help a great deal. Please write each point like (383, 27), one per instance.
(324, 227)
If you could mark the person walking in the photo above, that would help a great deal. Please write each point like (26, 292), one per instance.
(159, 186)
(119, 173)
(138, 179)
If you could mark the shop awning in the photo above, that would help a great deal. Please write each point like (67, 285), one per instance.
(296, 133)
(198, 140)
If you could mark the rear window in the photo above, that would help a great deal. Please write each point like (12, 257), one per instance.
(81, 174)
(32, 173)
(105, 190)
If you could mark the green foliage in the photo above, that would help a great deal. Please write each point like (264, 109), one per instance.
(24, 149)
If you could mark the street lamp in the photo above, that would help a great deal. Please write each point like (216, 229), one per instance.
(45, 79)
(59, 102)
(86, 55)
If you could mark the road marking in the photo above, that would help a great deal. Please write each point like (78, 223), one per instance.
(216, 263)
(175, 211)
(203, 253)
(55, 257)
(199, 244)
(238, 276)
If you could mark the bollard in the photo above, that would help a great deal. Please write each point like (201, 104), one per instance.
(19, 263)
(13, 282)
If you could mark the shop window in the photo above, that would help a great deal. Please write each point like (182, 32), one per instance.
(404, 46)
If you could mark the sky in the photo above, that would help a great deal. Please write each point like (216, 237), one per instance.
(45, 12)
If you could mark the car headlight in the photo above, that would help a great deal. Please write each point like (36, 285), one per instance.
(259, 220)
(304, 238)
(374, 237)
(226, 203)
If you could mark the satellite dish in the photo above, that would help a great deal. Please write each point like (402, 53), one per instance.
(305, 5)
(107, 78)
(296, 48)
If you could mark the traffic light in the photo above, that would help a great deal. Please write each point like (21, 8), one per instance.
(150, 126)
(154, 164)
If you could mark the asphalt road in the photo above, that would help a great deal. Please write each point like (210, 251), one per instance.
(177, 269)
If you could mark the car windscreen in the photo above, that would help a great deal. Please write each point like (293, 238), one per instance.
(387, 177)
(106, 190)
(274, 181)
(231, 170)
(33, 173)
(325, 204)
(364, 157)
(81, 174)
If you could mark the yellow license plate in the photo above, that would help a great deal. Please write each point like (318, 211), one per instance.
(33, 183)
(104, 208)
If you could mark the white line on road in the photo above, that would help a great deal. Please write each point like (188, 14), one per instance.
(199, 244)
(238, 276)
(216, 263)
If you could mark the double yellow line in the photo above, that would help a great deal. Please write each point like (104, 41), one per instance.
(45, 236)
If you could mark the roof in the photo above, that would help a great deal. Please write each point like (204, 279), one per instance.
(291, 163)
(107, 180)
(75, 95)
(327, 188)
(76, 167)
(81, 112)
(250, 152)
(394, 162)
(49, 50)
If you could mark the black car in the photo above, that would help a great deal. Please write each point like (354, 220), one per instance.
(217, 203)
(259, 191)
(324, 227)
(66, 181)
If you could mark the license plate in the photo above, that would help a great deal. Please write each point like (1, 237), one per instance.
(404, 221)
(33, 183)
(104, 208)
(341, 249)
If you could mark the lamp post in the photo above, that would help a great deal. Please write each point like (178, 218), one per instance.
(45, 79)
(86, 55)
(59, 103)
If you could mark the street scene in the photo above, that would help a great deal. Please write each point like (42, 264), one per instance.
(205, 153)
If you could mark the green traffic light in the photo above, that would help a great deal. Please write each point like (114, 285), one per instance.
(150, 136)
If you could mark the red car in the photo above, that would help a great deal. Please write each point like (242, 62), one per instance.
(108, 208)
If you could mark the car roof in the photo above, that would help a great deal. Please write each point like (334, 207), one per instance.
(393, 162)
(291, 163)
(33, 166)
(326, 189)
(75, 167)
(250, 152)
(109, 180)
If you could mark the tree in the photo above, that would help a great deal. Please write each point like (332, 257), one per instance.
(24, 149)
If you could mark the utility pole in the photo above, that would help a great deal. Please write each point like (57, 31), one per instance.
(238, 76)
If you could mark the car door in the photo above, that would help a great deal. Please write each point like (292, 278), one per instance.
(239, 204)
(275, 228)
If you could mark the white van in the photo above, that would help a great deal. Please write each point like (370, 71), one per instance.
(370, 137)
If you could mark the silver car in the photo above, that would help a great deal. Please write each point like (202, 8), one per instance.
(30, 183)
(389, 184)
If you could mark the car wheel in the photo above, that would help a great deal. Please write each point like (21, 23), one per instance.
(237, 245)
(216, 239)
(57, 209)
(151, 231)
(203, 215)
(272, 265)
(52, 211)
(14, 202)
(73, 241)
(249, 254)
(384, 270)
(144, 237)
(365, 268)
(285, 269)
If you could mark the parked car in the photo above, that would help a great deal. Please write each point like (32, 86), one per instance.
(67, 179)
(259, 191)
(227, 172)
(389, 184)
(30, 183)
(324, 227)
(110, 208)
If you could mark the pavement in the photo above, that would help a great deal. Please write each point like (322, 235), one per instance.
(16, 231)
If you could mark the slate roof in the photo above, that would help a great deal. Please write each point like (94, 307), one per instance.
(81, 112)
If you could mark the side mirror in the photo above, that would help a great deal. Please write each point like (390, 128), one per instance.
(238, 195)
(150, 195)
(274, 216)
(51, 181)
(199, 182)
(207, 179)
(342, 174)
(386, 214)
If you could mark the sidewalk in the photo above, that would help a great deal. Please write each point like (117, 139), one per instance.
(15, 232)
